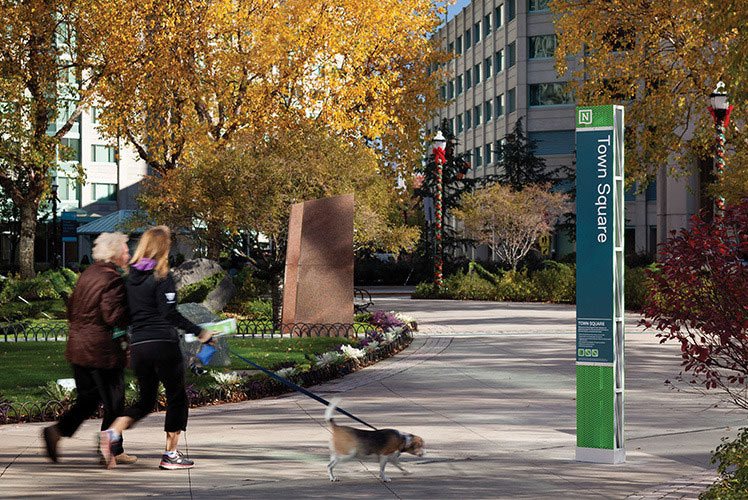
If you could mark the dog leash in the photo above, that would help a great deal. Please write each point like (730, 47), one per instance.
(300, 389)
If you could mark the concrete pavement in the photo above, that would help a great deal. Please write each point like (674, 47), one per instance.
(490, 392)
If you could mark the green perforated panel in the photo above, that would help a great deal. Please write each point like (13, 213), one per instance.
(595, 407)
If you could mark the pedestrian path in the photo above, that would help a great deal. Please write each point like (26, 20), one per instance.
(497, 412)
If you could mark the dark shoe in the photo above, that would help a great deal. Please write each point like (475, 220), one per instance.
(178, 462)
(106, 440)
(51, 436)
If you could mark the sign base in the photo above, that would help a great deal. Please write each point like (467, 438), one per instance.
(601, 455)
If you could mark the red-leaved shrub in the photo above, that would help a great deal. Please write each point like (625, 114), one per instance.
(699, 297)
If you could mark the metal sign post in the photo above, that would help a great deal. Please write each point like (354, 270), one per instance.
(600, 301)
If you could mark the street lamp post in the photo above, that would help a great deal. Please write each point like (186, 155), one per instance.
(53, 195)
(439, 144)
(720, 110)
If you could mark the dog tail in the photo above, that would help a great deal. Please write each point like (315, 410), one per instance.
(331, 409)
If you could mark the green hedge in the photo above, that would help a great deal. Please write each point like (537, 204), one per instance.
(554, 282)
(198, 291)
(47, 285)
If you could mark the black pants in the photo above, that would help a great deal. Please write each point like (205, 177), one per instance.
(155, 362)
(95, 386)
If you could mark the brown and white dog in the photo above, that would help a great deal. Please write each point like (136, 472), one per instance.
(387, 444)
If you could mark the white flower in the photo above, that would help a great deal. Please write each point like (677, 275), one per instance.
(226, 378)
(389, 336)
(408, 320)
(350, 352)
(287, 372)
(327, 358)
(371, 346)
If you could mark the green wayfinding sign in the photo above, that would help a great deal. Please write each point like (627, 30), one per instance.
(600, 301)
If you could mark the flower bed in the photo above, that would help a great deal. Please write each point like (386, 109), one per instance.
(392, 334)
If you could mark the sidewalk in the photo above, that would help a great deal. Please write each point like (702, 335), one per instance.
(496, 410)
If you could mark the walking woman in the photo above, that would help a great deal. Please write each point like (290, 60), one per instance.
(97, 305)
(155, 354)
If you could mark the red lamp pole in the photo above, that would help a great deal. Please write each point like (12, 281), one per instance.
(440, 159)
(720, 110)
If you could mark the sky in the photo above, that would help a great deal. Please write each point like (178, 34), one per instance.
(455, 9)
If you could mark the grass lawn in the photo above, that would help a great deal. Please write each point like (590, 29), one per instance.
(27, 366)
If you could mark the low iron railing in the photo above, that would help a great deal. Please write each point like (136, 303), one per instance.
(57, 331)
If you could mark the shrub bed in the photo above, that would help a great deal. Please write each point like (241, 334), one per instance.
(553, 282)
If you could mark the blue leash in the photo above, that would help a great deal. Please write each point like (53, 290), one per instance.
(299, 389)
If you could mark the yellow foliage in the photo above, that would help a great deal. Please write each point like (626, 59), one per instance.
(661, 60)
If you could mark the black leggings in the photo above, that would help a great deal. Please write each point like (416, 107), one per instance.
(155, 362)
(95, 386)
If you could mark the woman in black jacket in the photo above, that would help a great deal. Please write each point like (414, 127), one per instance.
(155, 355)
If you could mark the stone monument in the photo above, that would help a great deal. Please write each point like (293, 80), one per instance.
(318, 286)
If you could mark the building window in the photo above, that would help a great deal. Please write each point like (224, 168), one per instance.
(487, 154)
(468, 120)
(476, 33)
(67, 189)
(102, 154)
(451, 47)
(499, 61)
(498, 17)
(538, 5)
(95, 113)
(451, 89)
(443, 92)
(499, 106)
(511, 54)
(468, 79)
(487, 68)
(511, 101)
(486, 25)
(468, 39)
(488, 110)
(542, 46)
(651, 192)
(476, 74)
(549, 94)
(459, 124)
(477, 161)
(459, 85)
(511, 10)
(72, 151)
(451, 125)
(458, 45)
(104, 192)
(477, 114)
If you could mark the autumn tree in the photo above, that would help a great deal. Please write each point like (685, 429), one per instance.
(194, 74)
(661, 60)
(510, 221)
(250, 186)
(47, 71)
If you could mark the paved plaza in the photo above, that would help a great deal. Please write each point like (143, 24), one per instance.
(489, 386)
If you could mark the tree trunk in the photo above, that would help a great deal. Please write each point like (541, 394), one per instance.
(26, 239)
(276, 294)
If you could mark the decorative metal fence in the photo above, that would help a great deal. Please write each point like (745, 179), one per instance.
(57, 330)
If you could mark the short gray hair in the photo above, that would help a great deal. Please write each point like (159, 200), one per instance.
(107, 246)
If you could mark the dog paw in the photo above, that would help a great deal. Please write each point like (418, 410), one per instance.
(334, 480)
(385, 479)
(407, 472)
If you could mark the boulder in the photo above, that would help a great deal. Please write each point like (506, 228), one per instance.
(221, 295)
(198, 314)
(192, 271)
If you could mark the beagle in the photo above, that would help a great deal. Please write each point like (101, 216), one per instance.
(387, 444)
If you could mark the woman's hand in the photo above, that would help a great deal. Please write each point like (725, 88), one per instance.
(206, 336)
